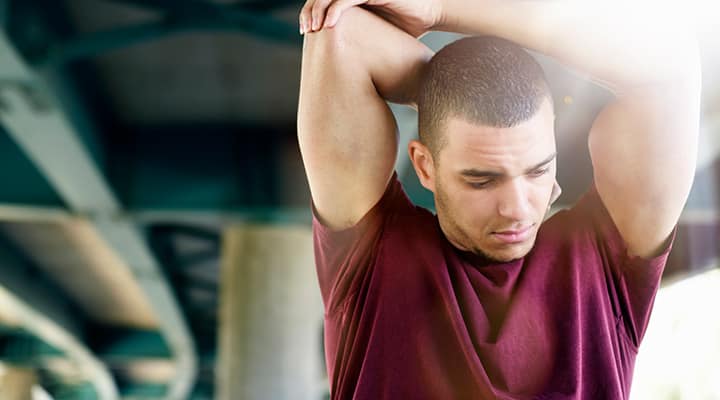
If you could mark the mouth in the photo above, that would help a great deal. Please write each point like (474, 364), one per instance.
(513, 236)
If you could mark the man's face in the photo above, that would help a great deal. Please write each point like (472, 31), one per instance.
(493, 186)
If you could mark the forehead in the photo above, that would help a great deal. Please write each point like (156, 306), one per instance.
(468, 145)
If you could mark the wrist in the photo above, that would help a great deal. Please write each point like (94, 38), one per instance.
(440, 16)
(468, 16)
(444, 18)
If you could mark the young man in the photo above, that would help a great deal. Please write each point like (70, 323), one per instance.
(485, 300)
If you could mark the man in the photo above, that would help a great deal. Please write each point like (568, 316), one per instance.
(485, 300)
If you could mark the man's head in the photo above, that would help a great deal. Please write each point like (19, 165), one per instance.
(487, 145)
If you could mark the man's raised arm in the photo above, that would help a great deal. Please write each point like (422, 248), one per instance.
(346, 131)
(643, 144)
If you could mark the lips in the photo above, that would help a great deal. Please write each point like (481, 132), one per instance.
(514, 236)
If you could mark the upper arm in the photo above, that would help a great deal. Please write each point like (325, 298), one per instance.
(643, 147)
(346, 131)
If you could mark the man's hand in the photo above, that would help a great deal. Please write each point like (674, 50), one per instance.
(413, 16)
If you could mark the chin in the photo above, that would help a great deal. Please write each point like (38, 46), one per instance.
(509, 254)
(503, 258)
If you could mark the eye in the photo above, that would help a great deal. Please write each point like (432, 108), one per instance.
(480, 184)
(539, 172)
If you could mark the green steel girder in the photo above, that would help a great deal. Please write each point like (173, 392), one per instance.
(47, 326)
(61, 390)
(32, 28)
(130, 345)
(198, 258)
(242, 172)
(20, 347)
(143, 390)
(208, 167)
(96, 43)
(127, 345)
(210, 237)
(170, 5)
(202, 316)
(79, 180)
(161, 235)
(22, 183)
(25, 281)
(46, 46)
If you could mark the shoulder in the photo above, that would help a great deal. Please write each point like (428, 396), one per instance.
(588, 227)
(579, 230)
(393, 217)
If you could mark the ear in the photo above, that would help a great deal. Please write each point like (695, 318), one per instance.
(556, 192)
(423, 163)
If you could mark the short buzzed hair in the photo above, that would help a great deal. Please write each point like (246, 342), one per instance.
(484, 80)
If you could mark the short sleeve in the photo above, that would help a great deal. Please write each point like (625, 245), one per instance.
(343, 258)
(632, 281)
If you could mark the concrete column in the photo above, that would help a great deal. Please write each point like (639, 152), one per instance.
(271, 316)
(16, 383)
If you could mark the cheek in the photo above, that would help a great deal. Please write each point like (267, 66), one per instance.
(540, 196)
(476, 208)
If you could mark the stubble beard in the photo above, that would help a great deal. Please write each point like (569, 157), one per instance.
(455, 234)
(459, 237)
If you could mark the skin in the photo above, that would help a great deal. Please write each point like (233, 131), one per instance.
(487, 180)
(643, 144)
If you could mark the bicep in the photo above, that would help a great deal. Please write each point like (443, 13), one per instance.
(643, 147)
(348, 143)
(346, 131)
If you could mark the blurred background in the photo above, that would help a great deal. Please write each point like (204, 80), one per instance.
(154, 215)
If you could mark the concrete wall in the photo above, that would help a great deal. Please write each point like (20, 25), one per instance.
(271, 314)
(16, 383)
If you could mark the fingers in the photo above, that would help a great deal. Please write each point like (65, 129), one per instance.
(312, 15)
(306, 17)
(318, 14)
(336, 10)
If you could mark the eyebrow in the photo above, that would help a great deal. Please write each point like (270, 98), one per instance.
(476, 173)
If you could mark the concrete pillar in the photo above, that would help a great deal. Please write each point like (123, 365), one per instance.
(271, 316)
(16, 383)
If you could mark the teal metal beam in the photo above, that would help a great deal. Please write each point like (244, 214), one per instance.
(22, 183)
(49, 137)
(264, 215)
(21, 213)
(133, 345)
(143, 390)
(38, 323)
(21, 347)
(202, 19)
(77, 391)
(169, 5)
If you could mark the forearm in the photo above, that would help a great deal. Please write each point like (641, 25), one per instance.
(622, 46)
(394, 59)
(363, 43)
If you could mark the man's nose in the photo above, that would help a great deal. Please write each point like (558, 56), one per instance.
(514, 203)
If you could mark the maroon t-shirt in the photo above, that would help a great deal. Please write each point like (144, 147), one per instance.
(409, 316)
